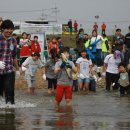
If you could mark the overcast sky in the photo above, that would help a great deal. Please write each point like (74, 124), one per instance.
(116, 12)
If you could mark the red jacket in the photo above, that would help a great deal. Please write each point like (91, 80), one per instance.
(25, 51)
(75, 25)
(53, 45)
(35, 47)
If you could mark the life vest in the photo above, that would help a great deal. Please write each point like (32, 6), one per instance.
(87, 43)
(104, 46)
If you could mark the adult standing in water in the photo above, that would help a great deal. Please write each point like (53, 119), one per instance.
(96, 37)
(111, 63)
(8, 61)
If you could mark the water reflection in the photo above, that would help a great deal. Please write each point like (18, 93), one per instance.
(95, 112)
(7, 119)
(64, 119)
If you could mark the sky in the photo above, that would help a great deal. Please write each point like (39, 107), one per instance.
(113, 12)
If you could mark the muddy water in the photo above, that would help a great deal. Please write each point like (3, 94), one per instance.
(97, 111)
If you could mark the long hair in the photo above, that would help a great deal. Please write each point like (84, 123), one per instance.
(53, 54)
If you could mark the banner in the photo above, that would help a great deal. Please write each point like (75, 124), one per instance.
(41, 40)
(40, 28)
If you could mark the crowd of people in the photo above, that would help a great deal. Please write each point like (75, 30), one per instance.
(66, 69)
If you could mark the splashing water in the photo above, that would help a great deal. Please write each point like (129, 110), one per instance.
(18, 104)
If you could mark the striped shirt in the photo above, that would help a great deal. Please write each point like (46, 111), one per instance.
(7, 54)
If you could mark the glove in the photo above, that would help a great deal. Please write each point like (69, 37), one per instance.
(113, 84)
(2, 65)
(17, 74)
(81, 76)
(94, 76)
(63, 57)
(68, 65)
(44, 77)
(24, 68)
(63, 65)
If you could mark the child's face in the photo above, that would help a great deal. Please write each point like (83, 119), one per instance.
(54, 40)
(35, 58)
(24, 36)
(84, 54)
(73, 55)
(59, 40)
(121, 69)
(66, 54)
(36, 39)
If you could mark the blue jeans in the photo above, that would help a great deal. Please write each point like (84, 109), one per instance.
(75, 85)
(7, 83)
(85, 80)
(98, 57)
(127, 56)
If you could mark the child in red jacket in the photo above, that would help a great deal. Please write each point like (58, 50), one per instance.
(35, 46)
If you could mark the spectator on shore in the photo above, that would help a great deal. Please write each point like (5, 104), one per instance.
(25, 47)
(70, 26)
(35, 46)
(53, 45)
(75, 25)
(95, 26)
(103, 26)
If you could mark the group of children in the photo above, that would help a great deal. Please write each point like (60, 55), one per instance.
(65, 75)
(66, 72)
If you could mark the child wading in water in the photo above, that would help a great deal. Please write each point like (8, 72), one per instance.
(123, 80)
(64, 69)
(84, 67)
(75, 79)
(49, 71)
(30, 66)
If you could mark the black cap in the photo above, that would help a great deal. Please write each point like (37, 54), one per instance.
(6, 24)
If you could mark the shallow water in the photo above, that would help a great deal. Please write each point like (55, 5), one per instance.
(97, 111)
